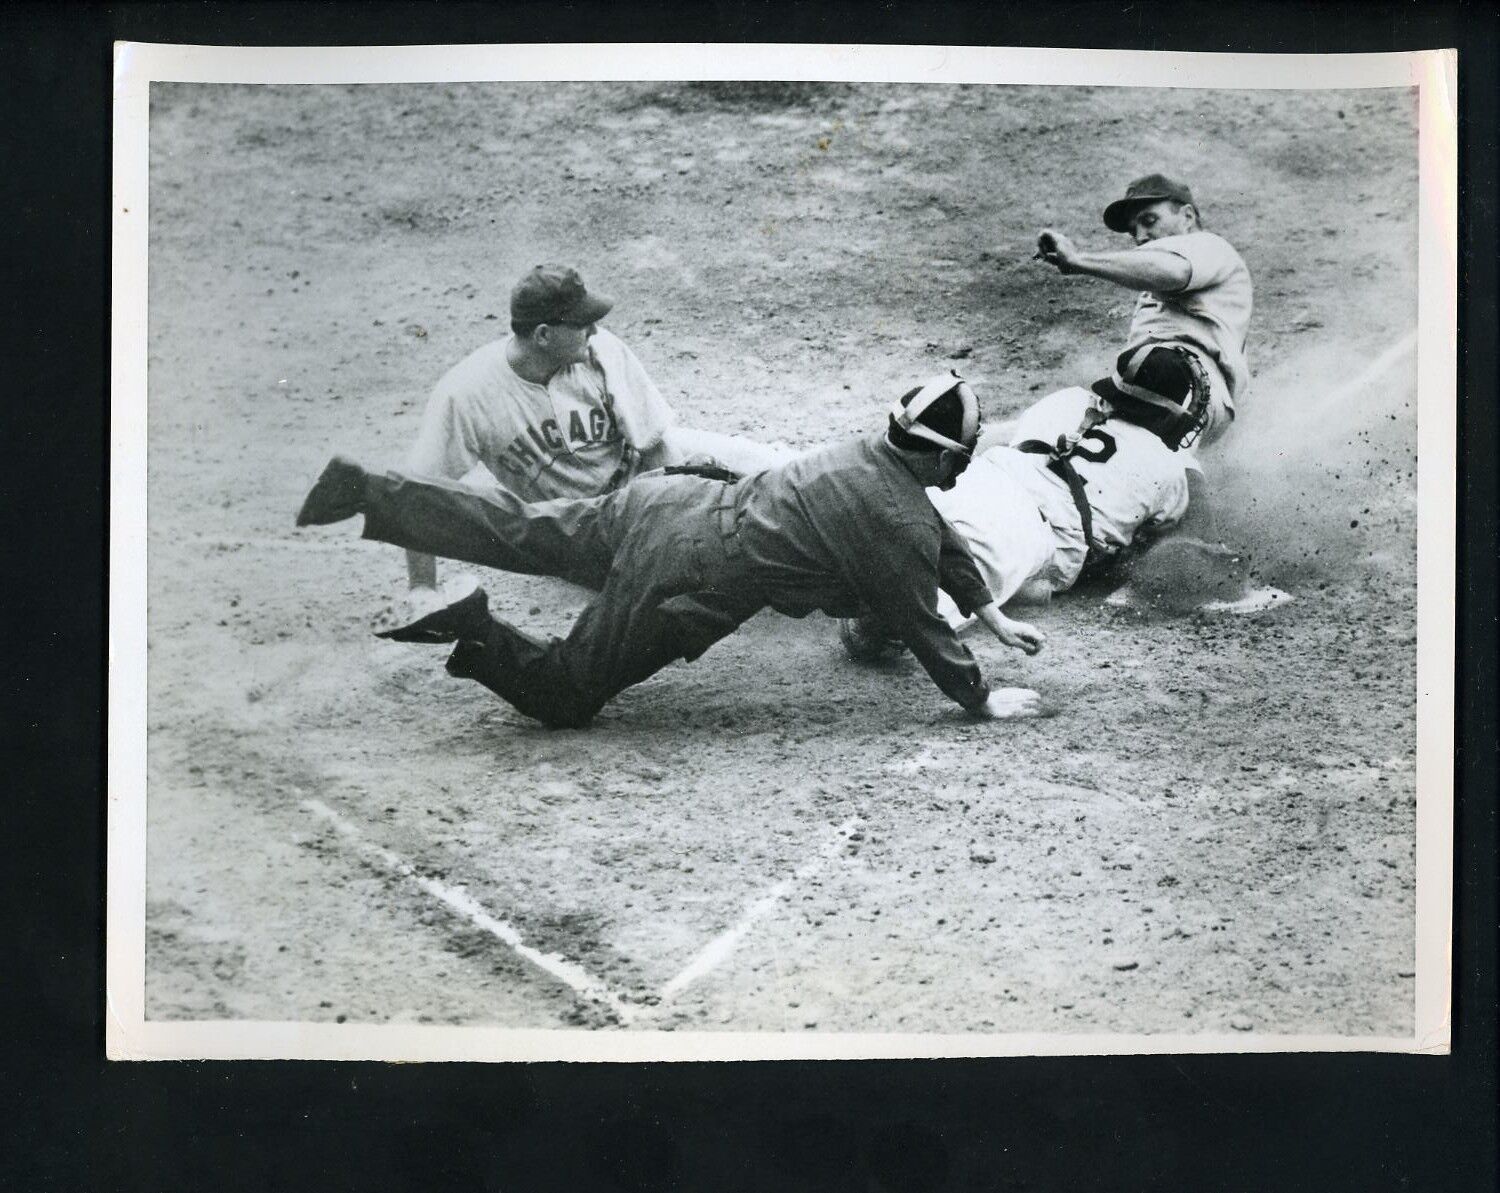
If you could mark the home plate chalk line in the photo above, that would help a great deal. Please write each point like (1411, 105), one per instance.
(574, 976)
(1252, 602)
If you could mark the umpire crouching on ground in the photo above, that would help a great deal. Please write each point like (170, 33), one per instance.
(681, 561)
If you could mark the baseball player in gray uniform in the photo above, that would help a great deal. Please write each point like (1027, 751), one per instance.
(558, 408)
(681, 561)
(1195, 289)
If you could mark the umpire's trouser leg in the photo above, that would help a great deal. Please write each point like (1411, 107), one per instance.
(570, 539)
(660, 602)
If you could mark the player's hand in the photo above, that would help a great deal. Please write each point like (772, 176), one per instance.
(1019, 634)
(1004, 704)
(1058, 250)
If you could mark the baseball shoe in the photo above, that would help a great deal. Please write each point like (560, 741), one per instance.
(338, 494)
(867, 642)
(465, 620)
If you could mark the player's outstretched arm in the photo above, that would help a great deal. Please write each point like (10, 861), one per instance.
(998, 435)
(1135, 269)
(1011, 632)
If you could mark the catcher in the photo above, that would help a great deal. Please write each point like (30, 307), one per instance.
(1083, 476)
(680, 561)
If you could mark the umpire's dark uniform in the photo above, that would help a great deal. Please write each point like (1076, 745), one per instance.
(681, 561)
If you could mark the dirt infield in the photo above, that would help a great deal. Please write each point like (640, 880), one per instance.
(1211, 828)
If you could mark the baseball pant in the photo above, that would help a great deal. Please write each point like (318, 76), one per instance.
(655, 550)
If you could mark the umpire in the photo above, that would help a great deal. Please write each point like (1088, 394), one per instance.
(681, 561)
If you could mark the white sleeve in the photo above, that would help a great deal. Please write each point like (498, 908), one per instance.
(447, 444)
(1211, 259)
(1171, 501)
(642, 412)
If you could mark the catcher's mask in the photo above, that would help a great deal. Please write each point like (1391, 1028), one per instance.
(1162, 388)
(906, 413)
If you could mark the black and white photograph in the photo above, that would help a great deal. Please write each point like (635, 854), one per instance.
(897, 552)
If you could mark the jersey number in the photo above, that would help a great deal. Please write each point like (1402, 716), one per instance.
(1098, 455)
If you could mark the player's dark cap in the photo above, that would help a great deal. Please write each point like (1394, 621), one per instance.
(1160, 387)
(1142, 193)
(556, 294)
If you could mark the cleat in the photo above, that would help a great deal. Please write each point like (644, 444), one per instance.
(465, 620)
(337, 494)
(866, 642)
(467, 660)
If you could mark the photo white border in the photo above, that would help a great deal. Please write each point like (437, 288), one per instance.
(129, 1036)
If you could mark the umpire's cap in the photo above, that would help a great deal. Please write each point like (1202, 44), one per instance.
(952, 425)
(556, 294)
(1142, 193)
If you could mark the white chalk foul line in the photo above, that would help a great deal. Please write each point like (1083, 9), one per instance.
(721, 946)
(582, 983)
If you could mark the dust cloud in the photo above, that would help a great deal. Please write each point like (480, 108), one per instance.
(1316, 482)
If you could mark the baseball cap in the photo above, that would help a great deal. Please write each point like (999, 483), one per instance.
(556, 294)
(1159, 387)
(1140, 193)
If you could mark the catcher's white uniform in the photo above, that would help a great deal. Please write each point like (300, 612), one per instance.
(1019, 518)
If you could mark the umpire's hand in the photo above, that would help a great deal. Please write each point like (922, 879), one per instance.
(1011, 632)
(1006, 703)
